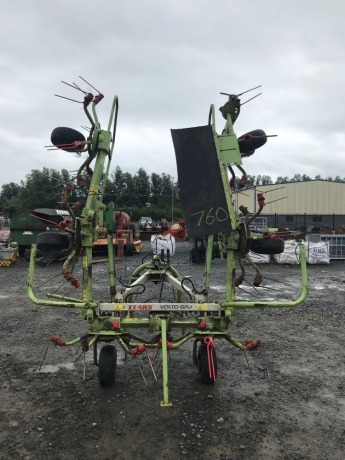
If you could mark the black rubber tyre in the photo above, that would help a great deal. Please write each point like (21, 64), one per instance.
(52, 241)
(62, 136)
(197, 256)
(107, 365)
(132, 227)
(21, 250)
(203, 364)
(129, 249)
(195, 353)
(251, 141)
(267, 246)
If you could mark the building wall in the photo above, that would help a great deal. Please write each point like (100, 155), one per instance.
(315, 197)
(305, 221)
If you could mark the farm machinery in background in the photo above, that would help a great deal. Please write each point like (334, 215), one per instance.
(21, 232)
(8, 248)
(124, 240)
(150, 228)
(27, 225)
(154, 328)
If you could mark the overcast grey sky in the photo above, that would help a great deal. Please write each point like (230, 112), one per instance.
(168, 61)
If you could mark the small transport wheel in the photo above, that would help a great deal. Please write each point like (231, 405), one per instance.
(267, 246)
(61, 137)
(195, 352)
(129, 249)
(203, 363)
(52, 241)
(107, 365)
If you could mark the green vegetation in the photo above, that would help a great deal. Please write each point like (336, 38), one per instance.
(139, 194)
(155, 195)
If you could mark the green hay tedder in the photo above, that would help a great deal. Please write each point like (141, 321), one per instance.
(204, 161)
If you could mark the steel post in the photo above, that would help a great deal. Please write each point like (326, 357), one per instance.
(163, 324)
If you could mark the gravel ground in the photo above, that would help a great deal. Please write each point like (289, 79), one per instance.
(290, 403)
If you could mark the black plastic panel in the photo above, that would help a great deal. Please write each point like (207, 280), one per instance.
(200, 182)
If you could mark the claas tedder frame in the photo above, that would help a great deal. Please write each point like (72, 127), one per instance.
(208, 211)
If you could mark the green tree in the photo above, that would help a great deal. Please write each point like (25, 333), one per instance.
(250, 181)
(282, 180)
(42, 189)
(267, 180)
(167, 185)
(296, 178)
(9, 198)
(263, 180)
(129, 196)
(305, 177)
(116, 187)
(156, 189)
(142, 187)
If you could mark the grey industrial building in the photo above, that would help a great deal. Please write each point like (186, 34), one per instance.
(298, 205)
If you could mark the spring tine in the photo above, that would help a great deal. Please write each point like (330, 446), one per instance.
(283, 198)
(77, 350)
(244, 354)
(159, 368)
(141, 372)
(250, 99)
(60, 145)
(44, 356)
(150, 364)
(252, 285)
(77, 359)
(59, 287)
(78, 87)
(90, 84)
(69, 292)
(68, 98)
(271, 289)
(251, 89)
(269, 191)
(49, 279)
(64, 183)
(246, 292)
(74, 86)
(277, 281)
(240, 193)
(264, 360)
(84, 368)
(154, 354)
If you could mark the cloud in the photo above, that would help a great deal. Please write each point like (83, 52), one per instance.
(167, 62)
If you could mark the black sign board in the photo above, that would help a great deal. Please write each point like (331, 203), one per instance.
(201, 187)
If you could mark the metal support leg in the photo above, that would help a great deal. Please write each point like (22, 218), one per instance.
(165, 401)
